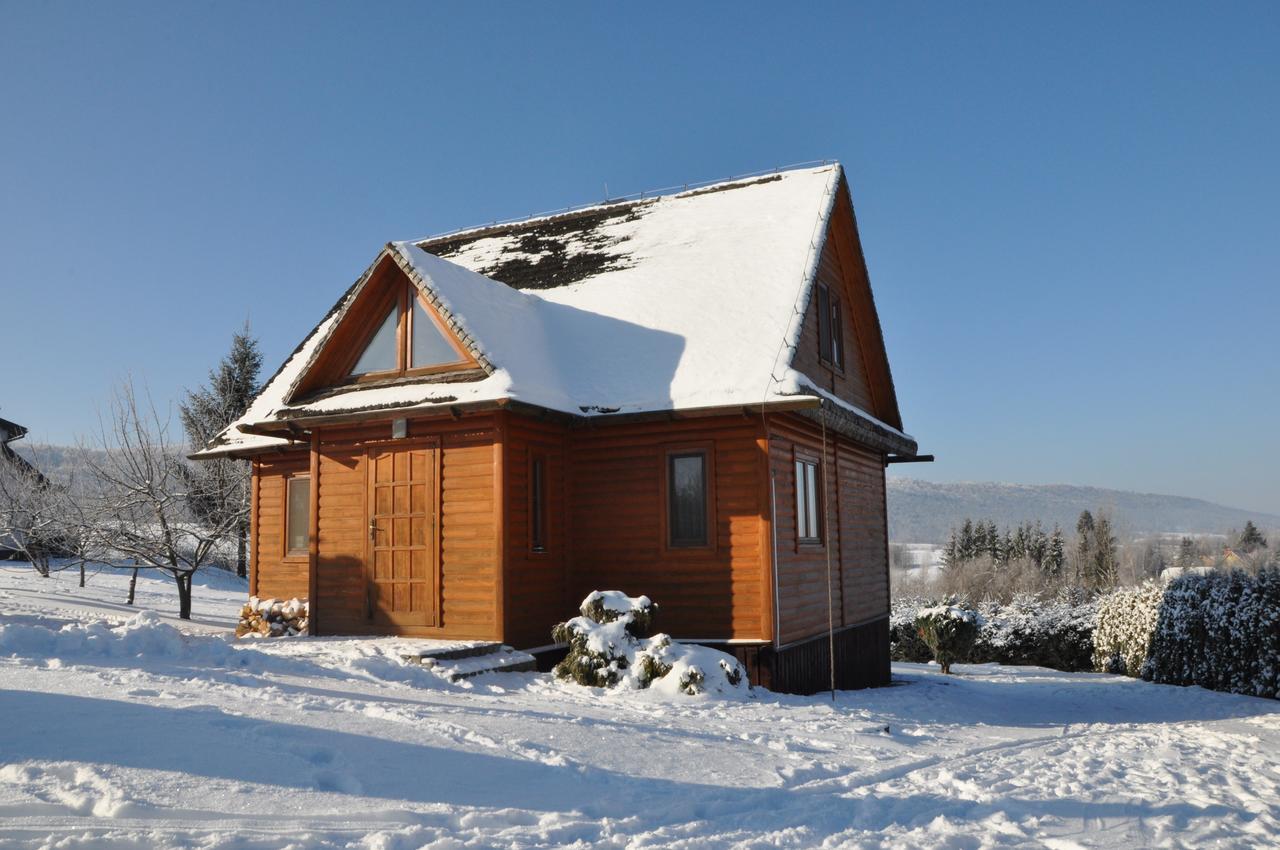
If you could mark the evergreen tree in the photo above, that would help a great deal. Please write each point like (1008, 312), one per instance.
(1105, 565)
(993, 541)
(1038, 545)
(951, 552)
(979, 539)
(1084, 545)
(220, 488)
(1057, 557)
(1186, 553)
(1019, 550)
(1251, 540)
(967, 548)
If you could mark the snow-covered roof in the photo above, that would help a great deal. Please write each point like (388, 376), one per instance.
(686, 301)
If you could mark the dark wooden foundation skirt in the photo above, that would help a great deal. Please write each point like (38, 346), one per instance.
(804, 667)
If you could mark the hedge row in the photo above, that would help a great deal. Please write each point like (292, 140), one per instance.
(1055, 633)
(1217, 630)
(1220, 631)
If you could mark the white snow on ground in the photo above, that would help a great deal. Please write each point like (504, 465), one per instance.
(136, 735)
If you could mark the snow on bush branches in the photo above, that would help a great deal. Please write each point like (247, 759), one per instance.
(610, 645)
(1220, 631)
(1056, 633)
(1126, 619)
(949, 631)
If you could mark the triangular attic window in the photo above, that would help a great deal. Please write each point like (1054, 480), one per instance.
(429, 346)
(380, 354)
(388, 333)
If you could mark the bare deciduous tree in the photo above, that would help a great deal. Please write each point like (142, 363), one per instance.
(31, 516)
(146, 510)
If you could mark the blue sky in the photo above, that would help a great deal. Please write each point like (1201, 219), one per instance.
(1070, 211)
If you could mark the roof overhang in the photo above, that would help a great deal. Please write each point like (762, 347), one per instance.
(842, 420)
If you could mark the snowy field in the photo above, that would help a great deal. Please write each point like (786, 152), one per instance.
(118, 734)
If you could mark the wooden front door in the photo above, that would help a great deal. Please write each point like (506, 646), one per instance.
(401, 568)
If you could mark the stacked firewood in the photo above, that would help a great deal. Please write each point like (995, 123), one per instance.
(273, 618)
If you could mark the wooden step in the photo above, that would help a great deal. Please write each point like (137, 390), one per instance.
(463, 662)
(452, 653)
(505, 661)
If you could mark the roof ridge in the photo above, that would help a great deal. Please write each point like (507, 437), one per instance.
(645, 196)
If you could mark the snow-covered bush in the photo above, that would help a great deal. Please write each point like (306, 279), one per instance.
(904, 638)
(1126, 619)
(1043, 633)
(949, 631)
(610, 645)
(1055, 633)
(1219, 631)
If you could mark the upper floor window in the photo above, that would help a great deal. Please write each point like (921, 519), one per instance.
(409, 340)
(830, 327)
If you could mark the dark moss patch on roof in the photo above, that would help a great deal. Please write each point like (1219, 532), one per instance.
(727, 187)
(549, 252)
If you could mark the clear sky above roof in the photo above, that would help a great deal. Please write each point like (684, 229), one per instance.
(1070, 213)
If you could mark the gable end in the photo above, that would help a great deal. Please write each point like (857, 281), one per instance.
(862, 378)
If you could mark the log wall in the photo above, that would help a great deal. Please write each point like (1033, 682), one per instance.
(537, 582)
(272, 574)
(854, 529)
(467, 512)
(617, 505)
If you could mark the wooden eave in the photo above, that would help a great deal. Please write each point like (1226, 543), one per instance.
(848, 423)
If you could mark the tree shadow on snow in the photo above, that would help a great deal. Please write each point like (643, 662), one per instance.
(208, 742)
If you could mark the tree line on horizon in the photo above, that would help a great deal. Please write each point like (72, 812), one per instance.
(980, 560)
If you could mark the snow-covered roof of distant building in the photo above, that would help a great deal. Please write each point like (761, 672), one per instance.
(10, 430)
(692, 300)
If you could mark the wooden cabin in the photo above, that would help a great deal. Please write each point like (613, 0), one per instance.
(685, 396)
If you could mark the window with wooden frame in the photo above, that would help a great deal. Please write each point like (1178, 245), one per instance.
(538, 492)
(808, 500)
(830, 327)
(690, 523)
(408, 340)
(297, 516)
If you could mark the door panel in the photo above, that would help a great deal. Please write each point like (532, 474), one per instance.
(402, 566)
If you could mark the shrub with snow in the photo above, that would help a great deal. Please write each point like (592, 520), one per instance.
(1219, 631)
(949, 631)
(1126, 619)
(1055, 633)
(610, 645)
(904, 638)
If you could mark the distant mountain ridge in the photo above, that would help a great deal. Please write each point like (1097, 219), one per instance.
(925, 511)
